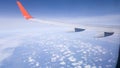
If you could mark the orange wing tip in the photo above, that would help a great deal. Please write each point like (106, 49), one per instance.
(23, 11)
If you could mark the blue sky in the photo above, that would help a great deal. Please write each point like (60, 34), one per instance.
(62, 10)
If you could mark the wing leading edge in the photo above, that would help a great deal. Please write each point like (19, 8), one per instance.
(104, 31)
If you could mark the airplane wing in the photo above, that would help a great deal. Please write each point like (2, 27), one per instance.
(103, 30)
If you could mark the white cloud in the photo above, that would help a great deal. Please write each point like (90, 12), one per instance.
(7, 46)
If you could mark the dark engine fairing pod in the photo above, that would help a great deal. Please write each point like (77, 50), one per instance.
(104, 34)
(108, 34)
(79, 29)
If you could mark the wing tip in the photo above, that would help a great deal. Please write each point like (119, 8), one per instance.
(24, 12)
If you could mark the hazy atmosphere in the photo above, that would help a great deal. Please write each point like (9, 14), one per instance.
(28, 44)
